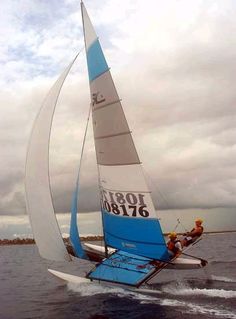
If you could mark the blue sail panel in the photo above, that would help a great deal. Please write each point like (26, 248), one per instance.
(96, 61)
(74, 232)
(124, 268)
(138, 236)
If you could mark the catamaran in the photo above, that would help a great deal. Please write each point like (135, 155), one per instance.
(134, 250)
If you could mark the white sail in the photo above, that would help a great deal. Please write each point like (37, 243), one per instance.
(37, 184)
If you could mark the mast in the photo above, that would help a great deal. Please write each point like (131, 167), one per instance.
(104, 235)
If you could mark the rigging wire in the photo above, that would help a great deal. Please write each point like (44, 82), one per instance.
(176, 226)
(179, 223)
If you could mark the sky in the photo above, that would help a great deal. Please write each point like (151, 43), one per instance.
(90, 223)
(173, 63)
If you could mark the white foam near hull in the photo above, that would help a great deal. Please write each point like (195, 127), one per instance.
(180, 263)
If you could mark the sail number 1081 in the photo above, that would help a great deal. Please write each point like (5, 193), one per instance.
(128, 204)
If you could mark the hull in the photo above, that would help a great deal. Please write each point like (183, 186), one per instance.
(179, 263)
(81, 280)
(97, 253)
(69, 278)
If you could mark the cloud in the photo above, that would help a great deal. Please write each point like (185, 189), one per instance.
(173, 65)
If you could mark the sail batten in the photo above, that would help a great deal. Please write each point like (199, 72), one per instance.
(126, 191)
(112, 135)
(120, 164)
(106, 105)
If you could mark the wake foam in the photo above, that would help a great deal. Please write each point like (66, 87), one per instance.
(147, 296)
(181, 291)
(191, 308)
(222, 278)
(214, 312)
(88, 289)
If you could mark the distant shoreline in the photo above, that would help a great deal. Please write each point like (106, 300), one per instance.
(31, 241)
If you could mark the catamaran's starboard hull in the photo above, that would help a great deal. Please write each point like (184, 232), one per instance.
(178, 264)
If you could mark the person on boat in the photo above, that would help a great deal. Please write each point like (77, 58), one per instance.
(194, 234)
(174, 245)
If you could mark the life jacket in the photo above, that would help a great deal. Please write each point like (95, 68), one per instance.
(171, 246)
(198, 231)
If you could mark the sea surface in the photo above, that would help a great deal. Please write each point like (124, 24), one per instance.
(29, 291)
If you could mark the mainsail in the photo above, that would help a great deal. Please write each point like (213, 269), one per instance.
(37, 185)
(129, 218)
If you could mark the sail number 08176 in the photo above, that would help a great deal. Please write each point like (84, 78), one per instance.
(130, 204)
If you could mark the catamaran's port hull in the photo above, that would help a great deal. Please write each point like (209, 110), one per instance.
(81, 280)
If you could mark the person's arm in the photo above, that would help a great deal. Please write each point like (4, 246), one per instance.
(192, 233)
(189, 232)
(196, 232)
(178, 245)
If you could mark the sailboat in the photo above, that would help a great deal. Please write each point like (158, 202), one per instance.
(134, 249)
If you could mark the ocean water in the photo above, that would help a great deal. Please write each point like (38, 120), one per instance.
(29, 291)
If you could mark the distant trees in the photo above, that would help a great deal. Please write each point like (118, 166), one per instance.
(30, 241)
